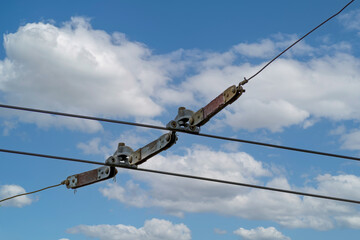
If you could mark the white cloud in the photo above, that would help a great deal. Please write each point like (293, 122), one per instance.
(154, 229)
(289, 93)
(178, 196)
(107, 145)
(261, 233)
(280, 114)
(12, 190)
(351, 20)
(78, 69)
(265, 49)
(93, 147)
(351, 140)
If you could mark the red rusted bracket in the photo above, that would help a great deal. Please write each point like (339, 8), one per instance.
(220, 102)
(90, 177)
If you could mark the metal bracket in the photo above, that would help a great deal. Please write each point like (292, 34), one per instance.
(121, 156)
(125, 156)
(90, 177)
(162, 143)
(216, 105)
(181, 121)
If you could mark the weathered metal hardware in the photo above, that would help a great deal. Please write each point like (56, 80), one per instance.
(181, 121)
(216, 105)
(90, 177)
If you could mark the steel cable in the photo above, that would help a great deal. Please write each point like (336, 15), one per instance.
(23, 194)
(185, 176)
(312, 30)
(183, 131)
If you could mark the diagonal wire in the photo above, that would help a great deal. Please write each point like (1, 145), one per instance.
(312, 30)
(186, 176)
(183, 131)
(28, 193)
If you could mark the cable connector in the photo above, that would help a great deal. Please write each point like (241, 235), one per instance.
(181, 121)
(90, 177)
(242, 83)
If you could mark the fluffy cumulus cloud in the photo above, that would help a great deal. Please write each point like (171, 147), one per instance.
(261, 233)
(11, 190)
(76, 68)
(107, 145)
(154, 229)
(292, 92)
(179, 196)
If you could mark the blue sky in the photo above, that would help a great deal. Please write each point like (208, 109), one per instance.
(141, 60)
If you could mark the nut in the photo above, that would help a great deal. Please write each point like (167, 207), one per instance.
(173, 124)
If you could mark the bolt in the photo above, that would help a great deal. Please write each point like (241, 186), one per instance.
(130, 159)
(180, 110)
(173, 124)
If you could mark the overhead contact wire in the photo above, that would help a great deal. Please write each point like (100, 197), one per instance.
(183, 131)
(180, 175)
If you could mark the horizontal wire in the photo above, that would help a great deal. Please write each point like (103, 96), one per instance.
(266, 65)
(81, 116)
(51, 156)
(188, 176)
(28, 193)
(281, 147)
(204, 135)
(183, 131)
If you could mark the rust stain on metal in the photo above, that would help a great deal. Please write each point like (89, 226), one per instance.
(87, 178)
(214, 106)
